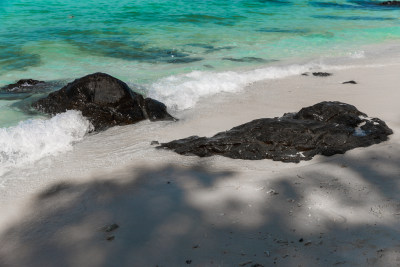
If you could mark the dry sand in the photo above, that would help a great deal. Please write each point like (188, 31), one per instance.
(174, 210)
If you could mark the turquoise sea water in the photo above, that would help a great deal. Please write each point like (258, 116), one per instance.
(176, 51)
(144, 40)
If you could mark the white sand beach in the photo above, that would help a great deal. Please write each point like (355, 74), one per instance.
(175, 210)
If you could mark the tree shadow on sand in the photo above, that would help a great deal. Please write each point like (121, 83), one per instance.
(343, 211)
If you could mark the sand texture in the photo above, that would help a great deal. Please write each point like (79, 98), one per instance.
(174, 210)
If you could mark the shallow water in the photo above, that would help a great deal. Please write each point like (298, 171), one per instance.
(177, 51)
(146, 40)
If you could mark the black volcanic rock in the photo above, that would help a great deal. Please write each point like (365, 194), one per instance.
(326, 128)
(331, 112)
(155, 110)
(104, 100)
(23, 86)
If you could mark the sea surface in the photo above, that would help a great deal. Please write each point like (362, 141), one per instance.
(175, 51)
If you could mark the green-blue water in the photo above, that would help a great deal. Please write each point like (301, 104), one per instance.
(157, 38)
(144, 40)
(175, 51)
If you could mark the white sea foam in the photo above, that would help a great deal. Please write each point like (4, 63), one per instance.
(357, 54)
(34, 139)
(184, 91)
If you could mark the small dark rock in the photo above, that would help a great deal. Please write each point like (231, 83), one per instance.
(257, 265)
(273, 192)
(28, 86)
(349, 82)
(301, 240)
(104, 100)
(188, 261)
(390, 3)
(305, 74)
(326, 128)
(154, 143)
(322, 74)
(22, 86)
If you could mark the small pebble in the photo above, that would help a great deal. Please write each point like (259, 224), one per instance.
(188, 261)
(272, 192)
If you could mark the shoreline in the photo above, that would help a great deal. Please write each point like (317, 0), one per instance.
(215, 211)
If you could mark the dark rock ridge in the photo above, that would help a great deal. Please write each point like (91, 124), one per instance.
(23, 86)
(104, 100)
(326, 128)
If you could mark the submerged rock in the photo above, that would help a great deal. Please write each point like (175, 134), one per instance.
(326, 128)
(23, 86)
(390, 3)
(247, 59)
(104, 100)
